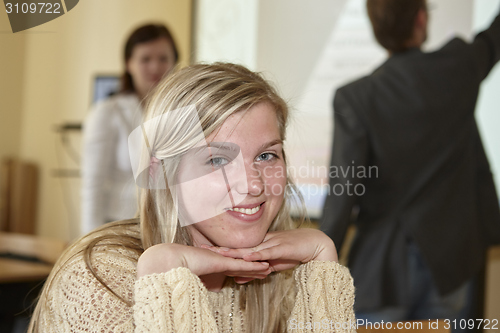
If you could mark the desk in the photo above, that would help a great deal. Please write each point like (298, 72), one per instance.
(14, 270)
(26, 261)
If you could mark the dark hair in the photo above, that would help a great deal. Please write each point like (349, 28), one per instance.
(143, 34)
(393, 21)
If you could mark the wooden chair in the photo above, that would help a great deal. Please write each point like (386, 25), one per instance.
(418, 326)
(18, 196)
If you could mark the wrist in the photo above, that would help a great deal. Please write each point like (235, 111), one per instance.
(159, 258)
(328, 253)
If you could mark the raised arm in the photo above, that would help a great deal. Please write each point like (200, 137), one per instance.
(486, 48)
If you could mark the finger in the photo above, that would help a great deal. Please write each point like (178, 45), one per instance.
(279, 251)
(239, 265)
(215, 249)
(234, 253)
(241, 253)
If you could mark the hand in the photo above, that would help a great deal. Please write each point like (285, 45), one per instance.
(161, 258)
(285, 249)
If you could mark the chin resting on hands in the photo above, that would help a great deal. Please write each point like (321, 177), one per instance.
(280, 250)
(161, 258)
(286, 249)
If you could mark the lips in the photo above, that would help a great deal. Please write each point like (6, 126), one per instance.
(154, 79)
(247, 213)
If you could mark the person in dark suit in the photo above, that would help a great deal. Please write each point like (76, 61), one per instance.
(429, 210)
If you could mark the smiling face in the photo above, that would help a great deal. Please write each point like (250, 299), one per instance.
(244, 190)
(149, 62)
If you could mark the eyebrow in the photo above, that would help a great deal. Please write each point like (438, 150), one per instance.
(271, 143)
(224, 146)
(220, 145)
(212, 148)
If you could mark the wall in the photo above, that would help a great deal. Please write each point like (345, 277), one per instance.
(291, 37)
(488, 119)
(11, 88)
(226, 30)
(60, 60)
(487, 114)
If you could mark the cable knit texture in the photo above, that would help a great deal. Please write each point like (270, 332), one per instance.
(177, 301)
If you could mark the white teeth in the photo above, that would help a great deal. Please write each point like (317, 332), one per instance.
(247, 211)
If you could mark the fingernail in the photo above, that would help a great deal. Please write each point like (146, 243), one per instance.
(225, 249)
(264, 263)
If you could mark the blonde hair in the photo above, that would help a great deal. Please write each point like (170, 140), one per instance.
(218, 91)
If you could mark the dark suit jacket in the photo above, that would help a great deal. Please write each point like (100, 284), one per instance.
(413, 118)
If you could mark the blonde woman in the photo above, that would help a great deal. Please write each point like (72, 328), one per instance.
(214, 248)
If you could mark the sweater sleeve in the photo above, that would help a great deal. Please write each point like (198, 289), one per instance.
(324, 300)
(175, 301)
(78, 302)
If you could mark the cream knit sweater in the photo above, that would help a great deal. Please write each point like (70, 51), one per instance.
(177, 301)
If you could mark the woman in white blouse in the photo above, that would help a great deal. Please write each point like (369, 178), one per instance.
(108, 190)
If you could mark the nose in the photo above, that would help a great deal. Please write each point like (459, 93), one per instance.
(157, 67)
(254, 184)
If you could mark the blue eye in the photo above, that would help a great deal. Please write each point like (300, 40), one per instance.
(266, 157)
(218, 162)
